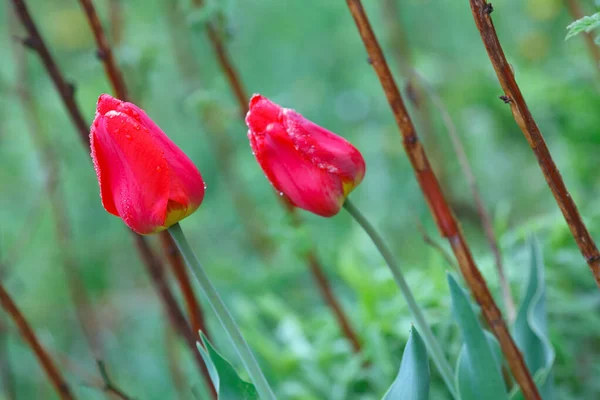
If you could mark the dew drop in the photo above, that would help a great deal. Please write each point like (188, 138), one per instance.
(128, 137)
(158, 169)
(281, 193)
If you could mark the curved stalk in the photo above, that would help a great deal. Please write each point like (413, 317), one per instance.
(239, 343)
(435, 351)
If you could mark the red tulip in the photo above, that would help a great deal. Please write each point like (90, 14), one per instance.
(144, 178)
(313, 167)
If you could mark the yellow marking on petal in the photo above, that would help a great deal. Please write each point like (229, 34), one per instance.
(347, 187)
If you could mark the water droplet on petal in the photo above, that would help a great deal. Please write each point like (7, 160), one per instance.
(158, 169)
(128, 137)
(281, 193)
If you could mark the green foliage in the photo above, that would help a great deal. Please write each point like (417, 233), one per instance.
(227, 382)
(478, 370)
(585, 24)
(531, 326)
(306, 55)
(412, 382)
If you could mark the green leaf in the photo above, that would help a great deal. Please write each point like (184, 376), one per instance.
(586, 24)
(227, 382)
(412, 381)
(464, 376)
(531, 327)
(480, 374)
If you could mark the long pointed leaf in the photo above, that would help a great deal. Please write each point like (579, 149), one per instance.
(531, 326)
(480, 375)
(412, 382)
(227, 382)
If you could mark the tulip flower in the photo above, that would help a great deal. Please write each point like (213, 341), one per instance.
(315, 169)
(144, 178)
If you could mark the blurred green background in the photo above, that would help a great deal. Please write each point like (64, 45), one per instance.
(305, 55)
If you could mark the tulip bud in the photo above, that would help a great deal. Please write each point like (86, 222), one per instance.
(144, 178)
(314, 168)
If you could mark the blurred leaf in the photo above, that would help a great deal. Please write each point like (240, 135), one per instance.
(531, 327)
(586, 24)
(480, 375)
(228, 383)
(464, 375)
(412, 381)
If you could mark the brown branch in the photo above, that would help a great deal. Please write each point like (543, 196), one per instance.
(484, 216)
(64, 88)
(104, 52)
(593, 49)
(85, 314)
(58, 381)
(173, 362)
(156, 271)
(438, 205)
(151, 262)
(481, 13)
(115, 16)
(108, 385)
(195, 312)
(7, 381)
(314, 265)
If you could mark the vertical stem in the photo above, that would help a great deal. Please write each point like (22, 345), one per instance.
(438, 205)
(435, 351)
(223, 314)
(58, 381)
(195, 312)
(481, 11)
(484, 216)
(312, 261)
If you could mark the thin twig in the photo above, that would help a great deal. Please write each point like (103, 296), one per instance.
(156, 271)
(86, 378)
(104, 52)
(7, 381)
(109, 386)
(512, 95)
(438, 204)
(174, 364)
(81, 302)
(64, 88)
(58, 381)
(434, 244)
(149, 259)
(576, 12)
(484, 216)
(235, 83)
(215, 129)
(195, 312)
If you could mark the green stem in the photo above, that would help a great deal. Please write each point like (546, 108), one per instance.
(435, 351)
(256, 375)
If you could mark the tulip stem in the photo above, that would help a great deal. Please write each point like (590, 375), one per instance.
(435, 351)
(256, 375)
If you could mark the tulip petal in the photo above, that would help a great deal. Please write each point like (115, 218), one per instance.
(183, 174)
(324, 148)
(305, 184)
(132, 171)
